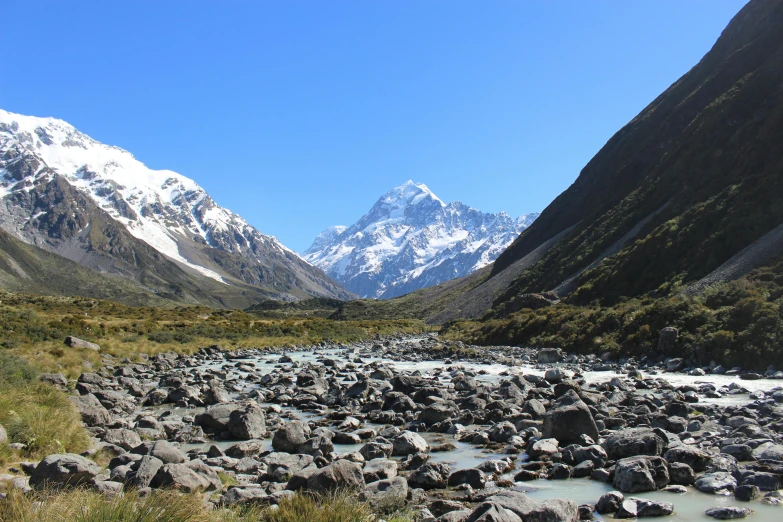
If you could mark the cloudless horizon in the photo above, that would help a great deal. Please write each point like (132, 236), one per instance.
(299, 115)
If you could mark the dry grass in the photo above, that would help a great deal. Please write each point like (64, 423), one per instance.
(42, 418)
(86, 506)
(168, 506)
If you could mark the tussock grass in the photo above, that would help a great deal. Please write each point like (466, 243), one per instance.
(36, 414)
(80, 505)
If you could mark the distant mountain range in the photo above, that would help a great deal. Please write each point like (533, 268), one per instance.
(410, 239)
(98, 206)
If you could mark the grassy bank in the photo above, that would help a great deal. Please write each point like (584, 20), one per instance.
(735, 324)
(34, 328)
(168, 506)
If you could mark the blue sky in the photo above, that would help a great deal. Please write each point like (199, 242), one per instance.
(298, 114)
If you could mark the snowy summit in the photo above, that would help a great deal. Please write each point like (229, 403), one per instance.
(410, 239)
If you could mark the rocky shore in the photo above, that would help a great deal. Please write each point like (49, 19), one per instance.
(256, 426)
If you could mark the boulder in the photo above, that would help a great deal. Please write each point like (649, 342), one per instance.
(569, 419)
(338, 476)
(432, 475)
(552, 510)
(728, 512)
(75, 342)
(146, 470)
(387, 490)
(693, 457)
(549, 355)
(409, 443)
(718, 482)
(491, 512)
(290, 436)
(634, 442)
(436, 412)
(3, 435)
(63, 470)
(125, 439)
(609, 502)
(502, 432)
(637, 474)
(161, 449)
(182, 477)
(641, 507)
(472, 477)
(247, 423)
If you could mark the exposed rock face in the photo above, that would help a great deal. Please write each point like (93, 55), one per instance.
(101, 208)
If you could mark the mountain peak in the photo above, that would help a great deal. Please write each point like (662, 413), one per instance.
(409, 193)
(411, 239)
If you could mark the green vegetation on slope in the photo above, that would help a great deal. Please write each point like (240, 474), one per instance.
(34, 328)
(735, 324)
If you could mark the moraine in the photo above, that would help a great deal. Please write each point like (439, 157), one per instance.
(477, 425)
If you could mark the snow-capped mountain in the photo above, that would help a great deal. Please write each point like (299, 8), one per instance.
(410, 239)
(59, 188)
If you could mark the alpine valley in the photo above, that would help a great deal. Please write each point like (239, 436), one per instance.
(96, 205)
(410, 239)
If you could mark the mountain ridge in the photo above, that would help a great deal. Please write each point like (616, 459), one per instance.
(56, 183)
(410, 239)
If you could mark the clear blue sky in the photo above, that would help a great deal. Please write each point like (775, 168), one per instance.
(300, 114)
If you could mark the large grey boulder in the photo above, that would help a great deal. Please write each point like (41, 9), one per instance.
(552, 510)
(473, 477)
(75, 342)
(3, 435)
(549, 355)
(639, 507)
(768, 451)
(634, 442)
(693, 457)
(636, 474)
(387, 490)
(147, 468)
(62, 470)
(718, 482)
(432, 475)
(728, 512)
(609, 502)
(215, 417)
(183, 477)
(247, 423)
(282, 466)
(491, 512)
(161, 449)
(379, 469)
(436, 412)
(290, 436)
(338, 476)
(569, 419)
(409, 443)
(124, 438)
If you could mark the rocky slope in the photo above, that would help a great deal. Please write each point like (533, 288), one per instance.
(410, 239)
(691, 181)
(97, 205)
